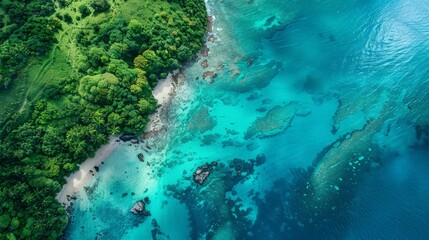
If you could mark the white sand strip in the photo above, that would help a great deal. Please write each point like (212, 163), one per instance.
(163, 93)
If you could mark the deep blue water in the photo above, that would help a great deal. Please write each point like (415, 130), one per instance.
(318, 119)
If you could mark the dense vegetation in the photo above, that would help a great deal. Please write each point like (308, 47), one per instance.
(72, 73)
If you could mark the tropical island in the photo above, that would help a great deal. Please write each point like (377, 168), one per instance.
(73, 73)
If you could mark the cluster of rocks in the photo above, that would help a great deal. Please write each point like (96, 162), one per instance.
(139, 208)
(129, 138)
(209, 74)
(202, 172)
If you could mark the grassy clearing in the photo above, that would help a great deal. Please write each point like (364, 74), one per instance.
(65, 56)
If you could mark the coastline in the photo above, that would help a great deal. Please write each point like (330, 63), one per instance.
(76, 181)
(163, 93)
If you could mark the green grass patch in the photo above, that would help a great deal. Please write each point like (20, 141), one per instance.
(31, 82)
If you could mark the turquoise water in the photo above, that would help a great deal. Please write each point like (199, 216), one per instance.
(321, 106)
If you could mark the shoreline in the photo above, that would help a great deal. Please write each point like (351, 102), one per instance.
(76, 181)
(163, 93)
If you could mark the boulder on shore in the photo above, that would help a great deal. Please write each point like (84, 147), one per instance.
(128, 137)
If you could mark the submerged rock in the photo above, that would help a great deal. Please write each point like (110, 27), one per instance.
(140, 156)
(250, 62)
(204, 64)
(209, 74)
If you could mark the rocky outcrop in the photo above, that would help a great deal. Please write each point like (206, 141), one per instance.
(139, 208)
(202, 172)
(128, 137)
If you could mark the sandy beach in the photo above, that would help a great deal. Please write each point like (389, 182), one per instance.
(163, 93)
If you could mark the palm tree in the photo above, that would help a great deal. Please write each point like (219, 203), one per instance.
(3, 192)
(19, 153)
(39, 226)
(47, 201)
(21, 187)
(28, 198)
(114, 130)
(99, 138)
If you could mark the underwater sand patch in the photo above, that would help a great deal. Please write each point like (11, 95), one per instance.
(354, 102)
(258, 77)
(201, 121)
(338, 170)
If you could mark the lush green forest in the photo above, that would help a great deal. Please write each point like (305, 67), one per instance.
(73, 72)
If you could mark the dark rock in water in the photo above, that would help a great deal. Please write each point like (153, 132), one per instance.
(139, 208)
(146, 200)
(214, 163)
(242, 166)
(250, 62)
(140, 156)
(128, 137)
(260, 159)
(209, 74)
(124, 195)
(261, 109)
(419, 132)
(96, 168)
(267, 101)
(253, 96)
(202, 172)
(204, 64)
(269, 21)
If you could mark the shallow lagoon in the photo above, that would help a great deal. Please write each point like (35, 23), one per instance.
(319, 101)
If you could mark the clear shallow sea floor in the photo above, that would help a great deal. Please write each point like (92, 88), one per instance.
(318, 121)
